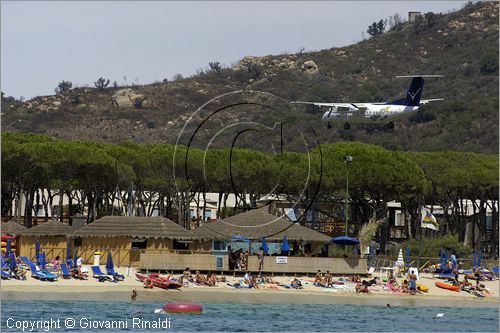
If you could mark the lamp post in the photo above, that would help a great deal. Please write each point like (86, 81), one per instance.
(347, 161)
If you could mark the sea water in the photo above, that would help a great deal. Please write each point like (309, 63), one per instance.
(43, 316)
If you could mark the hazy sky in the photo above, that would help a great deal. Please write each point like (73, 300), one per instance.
(43, 43)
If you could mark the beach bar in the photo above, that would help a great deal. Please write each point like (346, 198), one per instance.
(53, 238)
(211, 241)
(127, 236)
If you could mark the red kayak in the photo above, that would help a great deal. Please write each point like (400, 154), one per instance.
(157, 281)
(447, 286)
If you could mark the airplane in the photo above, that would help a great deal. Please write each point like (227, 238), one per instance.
(378, 110)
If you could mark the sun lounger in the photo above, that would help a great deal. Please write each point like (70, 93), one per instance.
(65, 271)
(115, 275)
(96, 270)
(42, 275)
(5, 275)
(26, 260)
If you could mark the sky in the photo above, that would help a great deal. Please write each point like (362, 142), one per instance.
(43, 43)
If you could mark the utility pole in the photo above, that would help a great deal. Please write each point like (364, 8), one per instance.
(348, 161)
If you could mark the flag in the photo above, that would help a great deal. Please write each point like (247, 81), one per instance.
(428, 220)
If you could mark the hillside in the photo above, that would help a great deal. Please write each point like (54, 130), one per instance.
(462, 45)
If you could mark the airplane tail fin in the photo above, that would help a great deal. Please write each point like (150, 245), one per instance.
(414, 92)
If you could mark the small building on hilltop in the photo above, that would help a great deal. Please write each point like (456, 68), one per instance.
(127, 236)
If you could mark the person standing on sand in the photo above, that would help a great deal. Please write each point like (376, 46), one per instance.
(133, 296)
(260, 256)
(413, 282)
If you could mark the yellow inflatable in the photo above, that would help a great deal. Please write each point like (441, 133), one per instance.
(4, 244)
(420, 286)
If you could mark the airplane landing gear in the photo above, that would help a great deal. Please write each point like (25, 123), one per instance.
(347, 126)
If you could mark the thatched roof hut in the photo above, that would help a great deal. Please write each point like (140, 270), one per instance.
(257, 224)
(133, 226)
(12, 228)
(51, 228)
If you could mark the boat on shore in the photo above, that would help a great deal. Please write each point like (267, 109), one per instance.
(157, 281)
(447, 286)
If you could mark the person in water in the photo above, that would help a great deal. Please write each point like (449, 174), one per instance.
(133, 296)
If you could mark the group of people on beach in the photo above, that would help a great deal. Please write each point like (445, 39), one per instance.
(210, 280)
(238, 260)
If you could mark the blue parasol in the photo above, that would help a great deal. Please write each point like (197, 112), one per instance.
(345, 240)
(37, 251)
(474, 259)
(68, 251)
(76, 258)
(42, 260)
(265, 247)
(407, 258)
(8, 248)
(12, 263)
(479, 258)
(109, 261)
(285, 247)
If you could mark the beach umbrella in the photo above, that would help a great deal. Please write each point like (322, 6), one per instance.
(8, 248)
(42, 260)
(265, 247)
(12, 263)
(345, 240)
(479, 258)
(37, 251)
(68, 251)
(474, 259)
(76, 258)
(109, 261)
(407, 259)
(400, 261)
(285, 247)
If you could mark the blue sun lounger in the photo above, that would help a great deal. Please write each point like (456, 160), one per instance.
(115, 275)
(5, 275)
(96, 270)
(38, 274)
(65, 271)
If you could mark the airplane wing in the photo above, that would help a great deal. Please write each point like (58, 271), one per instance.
(338, 106)
(425, 101)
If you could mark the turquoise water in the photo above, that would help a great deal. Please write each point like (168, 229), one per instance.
(246, 317)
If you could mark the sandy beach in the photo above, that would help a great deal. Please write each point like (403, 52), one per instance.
(91, 289)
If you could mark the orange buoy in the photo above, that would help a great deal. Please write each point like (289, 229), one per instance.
(183, 308)
(148, 283)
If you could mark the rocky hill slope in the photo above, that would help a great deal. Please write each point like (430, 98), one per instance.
(462, 45)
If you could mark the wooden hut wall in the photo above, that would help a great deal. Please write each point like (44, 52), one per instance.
(201, 246)
(160, 244)
(119, 246)
(52, 246)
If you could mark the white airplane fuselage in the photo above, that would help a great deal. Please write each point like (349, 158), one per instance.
(367, 110)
